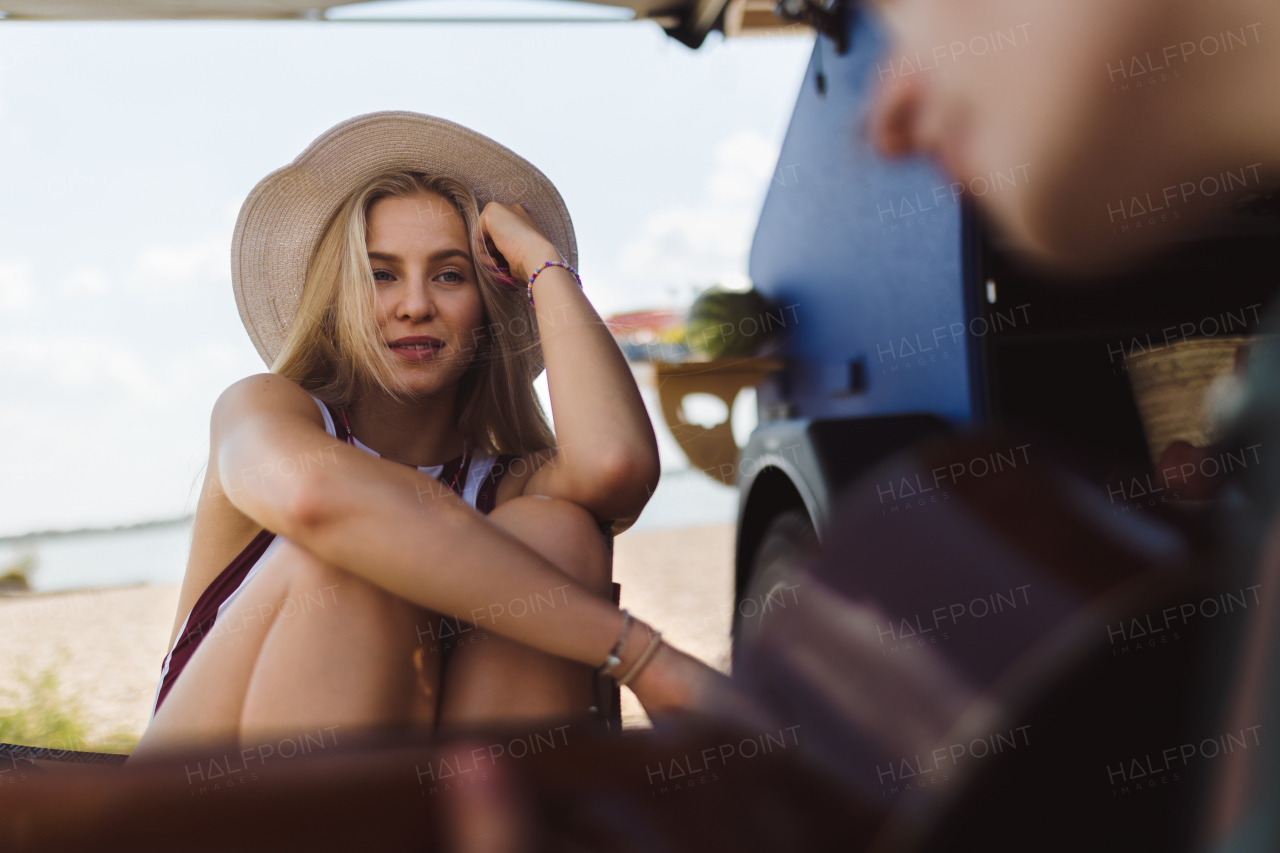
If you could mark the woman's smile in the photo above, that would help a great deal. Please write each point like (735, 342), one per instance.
(417, 347)
(423, 281)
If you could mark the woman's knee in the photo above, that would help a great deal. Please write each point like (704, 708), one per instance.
(313, 584)
(303, 573)
(562, 532)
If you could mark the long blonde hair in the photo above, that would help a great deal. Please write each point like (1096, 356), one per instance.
(334, 348)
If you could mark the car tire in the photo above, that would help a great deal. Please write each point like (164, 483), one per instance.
(788, 539)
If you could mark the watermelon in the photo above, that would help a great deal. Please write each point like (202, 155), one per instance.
(726, 323)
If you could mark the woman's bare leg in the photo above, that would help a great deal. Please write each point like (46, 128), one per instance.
(280, 662)
(347, 664)
(491, 679)
(306, 646)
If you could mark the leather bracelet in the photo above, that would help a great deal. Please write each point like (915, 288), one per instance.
(654, 642)
(614, 659)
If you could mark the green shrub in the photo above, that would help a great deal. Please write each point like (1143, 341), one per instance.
(41, 715)
(728, 324)
(16, 576)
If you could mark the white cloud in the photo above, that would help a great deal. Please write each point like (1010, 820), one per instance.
(693, 245)
(176, 269)
(209, 366)
(86, 280)
(16, 291)
(744, 165)
(79, 362)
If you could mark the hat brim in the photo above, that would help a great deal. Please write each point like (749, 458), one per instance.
(284, 217)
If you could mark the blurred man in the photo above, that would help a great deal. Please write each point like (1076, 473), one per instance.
(1162, 106)
(1157, 112)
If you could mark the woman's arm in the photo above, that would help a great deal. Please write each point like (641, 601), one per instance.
(607, 456)
(392, 525)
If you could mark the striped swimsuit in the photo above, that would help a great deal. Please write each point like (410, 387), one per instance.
(474, 477)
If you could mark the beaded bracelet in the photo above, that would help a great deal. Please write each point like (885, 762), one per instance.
(572, 272)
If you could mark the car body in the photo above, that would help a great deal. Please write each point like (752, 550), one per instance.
(906, 316)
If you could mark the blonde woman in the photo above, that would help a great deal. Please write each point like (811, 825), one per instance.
(390, 495)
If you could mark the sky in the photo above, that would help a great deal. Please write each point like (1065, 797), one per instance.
(129, 147)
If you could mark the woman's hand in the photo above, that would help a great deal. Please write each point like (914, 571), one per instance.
(516, 238)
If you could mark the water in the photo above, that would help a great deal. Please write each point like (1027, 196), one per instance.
(158, 554)
(688, 498)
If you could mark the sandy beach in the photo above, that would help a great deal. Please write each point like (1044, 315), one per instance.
(106, 645)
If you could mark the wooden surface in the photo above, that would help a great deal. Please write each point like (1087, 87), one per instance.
(710, 449)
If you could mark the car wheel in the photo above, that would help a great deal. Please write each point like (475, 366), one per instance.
(772, 585)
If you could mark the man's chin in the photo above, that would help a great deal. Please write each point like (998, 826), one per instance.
(1066, 232)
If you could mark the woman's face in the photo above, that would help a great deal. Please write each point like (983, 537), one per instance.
(428, 298)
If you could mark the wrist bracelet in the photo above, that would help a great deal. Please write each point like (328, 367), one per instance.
(614, 659)
(655, 640)
(562, 264)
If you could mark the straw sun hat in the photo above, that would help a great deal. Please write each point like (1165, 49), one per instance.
(284, 217)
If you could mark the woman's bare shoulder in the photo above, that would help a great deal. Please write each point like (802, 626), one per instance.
(264, 393)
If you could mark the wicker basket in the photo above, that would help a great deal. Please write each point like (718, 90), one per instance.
(1169, 385)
